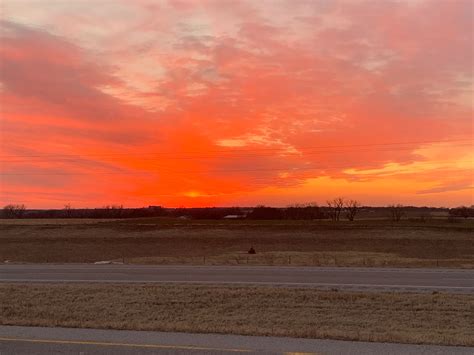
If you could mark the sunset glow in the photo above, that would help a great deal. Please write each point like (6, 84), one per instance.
(226, 103)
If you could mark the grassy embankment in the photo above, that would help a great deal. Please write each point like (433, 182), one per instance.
(385, 317)
(431, 243)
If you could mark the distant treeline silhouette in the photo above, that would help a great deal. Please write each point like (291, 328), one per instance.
(336, 209)
(462, 211)
(292, 212)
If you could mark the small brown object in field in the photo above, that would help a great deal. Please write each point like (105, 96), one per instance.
(252, 251)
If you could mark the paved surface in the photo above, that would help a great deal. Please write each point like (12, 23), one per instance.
(447, 280)
(36, 340)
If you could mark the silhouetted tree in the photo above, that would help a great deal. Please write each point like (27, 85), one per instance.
(335, 207)
(302, 211)
(68, 210)
(114, 211)
(14, 211)
(462, 211)
(352, 207)
(396, 212)
(262, 212)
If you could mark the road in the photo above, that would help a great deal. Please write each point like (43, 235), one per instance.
(374, 279)
(36, 340)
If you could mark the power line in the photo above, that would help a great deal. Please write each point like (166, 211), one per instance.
(196, 157)
(349, 165)
(65, 160)
(231, 151)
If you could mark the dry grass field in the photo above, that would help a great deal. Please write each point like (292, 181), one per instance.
(53, 221)
(409, 243)
(385, 317)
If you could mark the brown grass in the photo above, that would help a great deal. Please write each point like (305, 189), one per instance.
(167, 241)
(53, 221)
(386, 317)
(338, 259)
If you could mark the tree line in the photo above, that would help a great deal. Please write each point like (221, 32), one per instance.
(335, 209)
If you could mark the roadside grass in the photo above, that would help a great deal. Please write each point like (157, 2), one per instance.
(381, 243)
(442, 319)
(281, 258)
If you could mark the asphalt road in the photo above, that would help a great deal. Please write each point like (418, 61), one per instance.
(379, 279)
(36, 340)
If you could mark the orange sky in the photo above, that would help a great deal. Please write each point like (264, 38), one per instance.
(200, 103)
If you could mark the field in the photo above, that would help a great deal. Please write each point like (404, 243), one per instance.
(436, 318)
(408, 243)
(385, 317)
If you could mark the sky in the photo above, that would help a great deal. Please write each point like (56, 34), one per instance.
(236, 103)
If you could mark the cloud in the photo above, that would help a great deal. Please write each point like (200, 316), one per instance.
(45, 68)
(227, 99)
(457, 186)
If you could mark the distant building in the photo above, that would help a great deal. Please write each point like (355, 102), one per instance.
(233, 216)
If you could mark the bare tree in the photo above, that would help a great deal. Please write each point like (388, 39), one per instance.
(68, 210)
(114, 211)
(352, 207)
(336, 206)
(14, 211)
(462, 211)
(396, 212)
